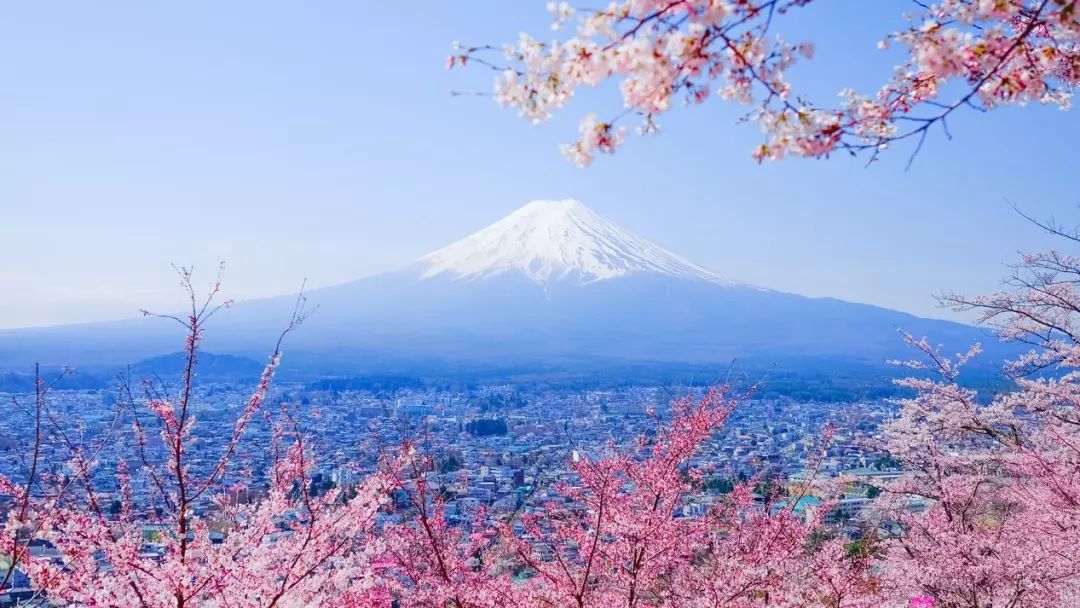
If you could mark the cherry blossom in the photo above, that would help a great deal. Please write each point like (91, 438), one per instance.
(987, 512)
(617, 535)
(286, 547)
(664, 53)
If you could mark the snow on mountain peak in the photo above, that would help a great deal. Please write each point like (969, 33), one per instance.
(552, 240)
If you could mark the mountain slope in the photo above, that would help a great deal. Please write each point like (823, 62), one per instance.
(551, 285)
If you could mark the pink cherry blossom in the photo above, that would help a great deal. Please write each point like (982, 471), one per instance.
(1007, 52)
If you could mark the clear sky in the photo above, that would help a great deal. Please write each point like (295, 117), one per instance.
(318, 140)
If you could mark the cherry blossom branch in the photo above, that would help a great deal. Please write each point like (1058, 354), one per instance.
(1010, 52)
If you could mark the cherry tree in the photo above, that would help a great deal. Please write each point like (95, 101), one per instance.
(286, 547)
(977, 54)
(617, 534)
(32, 500)
(988, 512)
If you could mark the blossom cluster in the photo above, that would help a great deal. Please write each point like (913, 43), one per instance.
(1000, 52)
(997, 477)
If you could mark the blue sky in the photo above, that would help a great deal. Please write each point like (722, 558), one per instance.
(318, 140)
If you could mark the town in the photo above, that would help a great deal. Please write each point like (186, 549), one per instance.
(498, 447)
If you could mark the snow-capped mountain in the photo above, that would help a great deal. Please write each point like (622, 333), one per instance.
(551, 286)
(557, 240)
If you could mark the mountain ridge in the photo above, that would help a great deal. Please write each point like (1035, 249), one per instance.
(552, 282)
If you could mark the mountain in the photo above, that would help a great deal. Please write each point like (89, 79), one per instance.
(549, 241)
(551, 287)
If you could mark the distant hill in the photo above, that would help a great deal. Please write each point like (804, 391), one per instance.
(211, 367)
